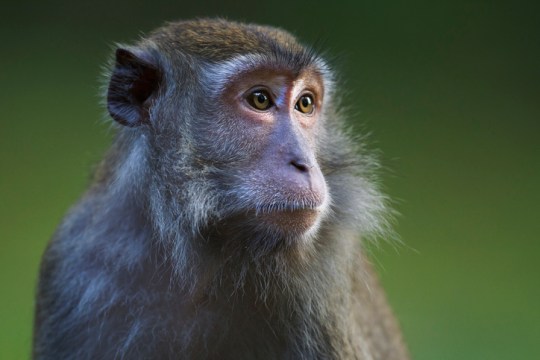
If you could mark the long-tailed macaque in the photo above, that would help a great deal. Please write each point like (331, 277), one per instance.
(226, 220)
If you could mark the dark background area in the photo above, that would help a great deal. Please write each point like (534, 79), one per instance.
(450, 91)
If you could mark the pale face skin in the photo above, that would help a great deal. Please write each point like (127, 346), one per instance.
(280, 111)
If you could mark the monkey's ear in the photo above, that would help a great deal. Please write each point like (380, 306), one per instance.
(133, 81)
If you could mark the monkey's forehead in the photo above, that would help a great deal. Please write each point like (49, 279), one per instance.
(218, 40)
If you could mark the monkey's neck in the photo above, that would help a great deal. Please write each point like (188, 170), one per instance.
(297, 299)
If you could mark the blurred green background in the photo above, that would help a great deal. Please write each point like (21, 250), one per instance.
(449, 89)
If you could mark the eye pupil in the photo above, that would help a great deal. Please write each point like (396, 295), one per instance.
(305, 104)
(259, 100)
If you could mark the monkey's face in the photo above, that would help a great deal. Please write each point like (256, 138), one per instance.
(235, 141)
(261, 127)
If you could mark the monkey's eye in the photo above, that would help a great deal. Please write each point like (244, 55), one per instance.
(260, 100)
(305, 104)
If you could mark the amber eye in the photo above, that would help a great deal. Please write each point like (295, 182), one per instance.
(305, 104)
(260, 100)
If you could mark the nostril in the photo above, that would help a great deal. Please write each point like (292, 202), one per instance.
(300, 165)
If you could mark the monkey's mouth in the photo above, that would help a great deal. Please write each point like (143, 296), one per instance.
(295, 219)
(287, 207)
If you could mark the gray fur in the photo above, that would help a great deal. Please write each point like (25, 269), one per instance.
(150, 264)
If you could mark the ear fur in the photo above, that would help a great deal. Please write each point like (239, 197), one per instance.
(133, 81)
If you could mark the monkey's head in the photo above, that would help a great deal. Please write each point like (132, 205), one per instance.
(229, 120)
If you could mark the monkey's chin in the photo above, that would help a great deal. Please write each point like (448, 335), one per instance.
(291, 223)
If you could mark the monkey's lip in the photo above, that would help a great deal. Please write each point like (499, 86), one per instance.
(287, 207)
(290, 218)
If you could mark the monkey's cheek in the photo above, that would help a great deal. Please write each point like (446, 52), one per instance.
(291, 223)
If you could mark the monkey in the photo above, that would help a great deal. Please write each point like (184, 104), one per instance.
(227, 219)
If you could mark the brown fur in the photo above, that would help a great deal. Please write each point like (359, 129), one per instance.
(219, 40)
